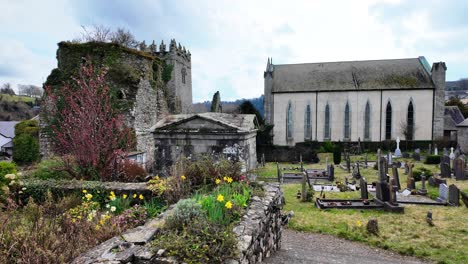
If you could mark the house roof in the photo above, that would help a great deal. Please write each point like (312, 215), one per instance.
(392, 74)
(7, 128)
(453, 118)
(239, 122)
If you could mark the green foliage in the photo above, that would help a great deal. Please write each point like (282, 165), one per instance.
(7, 168)
(183, 214)
(120, 203)
(30, 127)
(199, 242)
(26, 149)
(327, 147)
(154, 207)
(417, 173)
(166, 74)
(432, 159)
(50, 169)
(337, 154)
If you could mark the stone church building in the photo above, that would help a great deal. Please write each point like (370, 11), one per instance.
(371, 100)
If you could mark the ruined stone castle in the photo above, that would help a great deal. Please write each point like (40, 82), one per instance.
(149, 83)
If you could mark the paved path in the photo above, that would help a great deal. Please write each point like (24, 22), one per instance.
(302, 248)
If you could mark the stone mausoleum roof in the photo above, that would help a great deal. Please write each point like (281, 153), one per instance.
(234, 122)
(395, 74)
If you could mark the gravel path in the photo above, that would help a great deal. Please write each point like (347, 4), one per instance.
(301, 248)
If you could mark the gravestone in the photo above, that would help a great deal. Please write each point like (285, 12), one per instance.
(417, 155)
(445, 151)
(454, 195)
(263, 160)
(436, 181)
(423, 190)
(331, 172)
(429, 149)
(464, 198)
(382, 191)
(410, 183)
(406, 168)
(363, 188)
(356, 172)
(459, 169)
(397, 150)
(396, 177)
(452, 155)
(443, 193)
(393, 191)
(389, 158)
(365, 162)
(348, 164)
(405, 155)
(445, 170)
(436, 151)
(382, 166)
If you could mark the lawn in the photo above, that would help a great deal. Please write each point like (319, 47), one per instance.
(408, 233)
(17, 98)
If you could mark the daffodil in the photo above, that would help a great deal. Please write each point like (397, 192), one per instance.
(183, 177)
(229, 179)
(134, 196)
(228, 205)
(85, 191)
(218, 181)
(125, 196)
(225, 178)
(141, 197)
(358, 223)
(220, 198)
(89, 196)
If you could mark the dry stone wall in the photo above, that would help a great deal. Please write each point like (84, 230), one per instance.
(258, 235)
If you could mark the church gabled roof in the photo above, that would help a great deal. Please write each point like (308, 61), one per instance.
(392, 74)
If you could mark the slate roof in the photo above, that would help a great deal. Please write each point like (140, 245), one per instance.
(454, 118)
(353, 75)
(240, 122)
(7, 128)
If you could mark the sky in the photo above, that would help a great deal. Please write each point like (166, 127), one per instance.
(231, 40)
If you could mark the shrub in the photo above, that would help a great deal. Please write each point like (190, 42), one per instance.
(154, 207)
(199, 242)
(327, 147)
(417, 173)
(432, 159)
(131, 171)
(337, 155)
(50, 169)
(183, 214)
(26, 142)
(7, 168)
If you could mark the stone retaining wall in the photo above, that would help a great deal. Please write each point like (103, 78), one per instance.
(258, 234)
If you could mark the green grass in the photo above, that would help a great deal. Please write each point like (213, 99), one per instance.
(16, 98)
(408, 233)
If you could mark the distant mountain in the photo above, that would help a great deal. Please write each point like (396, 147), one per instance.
(230, 107)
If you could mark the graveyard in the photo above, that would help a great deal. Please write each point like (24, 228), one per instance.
(407, 233)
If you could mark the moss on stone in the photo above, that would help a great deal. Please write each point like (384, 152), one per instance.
(400, 80)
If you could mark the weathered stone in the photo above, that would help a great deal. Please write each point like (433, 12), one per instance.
(139, 235)
(454, 195)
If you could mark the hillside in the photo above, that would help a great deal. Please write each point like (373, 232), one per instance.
(229, 107)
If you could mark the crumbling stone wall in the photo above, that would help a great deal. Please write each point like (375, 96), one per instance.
(258, 236)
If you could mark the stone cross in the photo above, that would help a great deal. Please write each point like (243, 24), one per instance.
(363, 188)
(452, 155)
(396, 177)
(397, 150)
(423, 190)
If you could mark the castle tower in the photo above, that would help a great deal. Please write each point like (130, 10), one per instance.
(438, 77)
(268, 89)
(179, 87)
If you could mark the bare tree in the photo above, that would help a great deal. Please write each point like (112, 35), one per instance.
(7, 89)
(29, 90)
(124, 37)
(97, 33)
(408, 131)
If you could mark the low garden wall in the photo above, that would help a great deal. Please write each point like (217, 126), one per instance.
(258, 235)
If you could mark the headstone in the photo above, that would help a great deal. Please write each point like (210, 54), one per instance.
(464, 198)
(452, 155)
(445, 169)
(405, 155)
(393, 191)
(382, 191)
(459, 169)
(363, 188)
(417, 155)
(436, 151)
(397, 150)
(406, 168)
(454, 195)
(356, 172)
(389, 158)
(263, 160)
(429, 149)
(443, 193)
(396, 177)
(423, 190)
(410, 183)
(348, 163)
(445, 151)
(382, 172)
(331, 172)
(457, 151)
(365, 162)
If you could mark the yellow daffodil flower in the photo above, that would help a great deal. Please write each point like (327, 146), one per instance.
(218, 181)
(220, 198)
(141, 197)
(229, 179)
(183, 177)
(228, 205)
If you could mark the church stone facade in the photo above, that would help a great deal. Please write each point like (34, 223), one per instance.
(355, 100)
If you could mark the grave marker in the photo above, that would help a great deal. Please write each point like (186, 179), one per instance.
(423, 190)
(454, 195)
(410, 184)
(459, 169)
(393, 191)
(397, 150)
(443, 193)
(452, 155)
(363, 188)
(396, 177)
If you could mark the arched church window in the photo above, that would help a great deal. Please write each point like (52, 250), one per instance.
(307, 125)
(289, 121)
(410, 122)
(367, 121)
(347, 127)
(388, 121)
(184, 73)
(327, 122)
